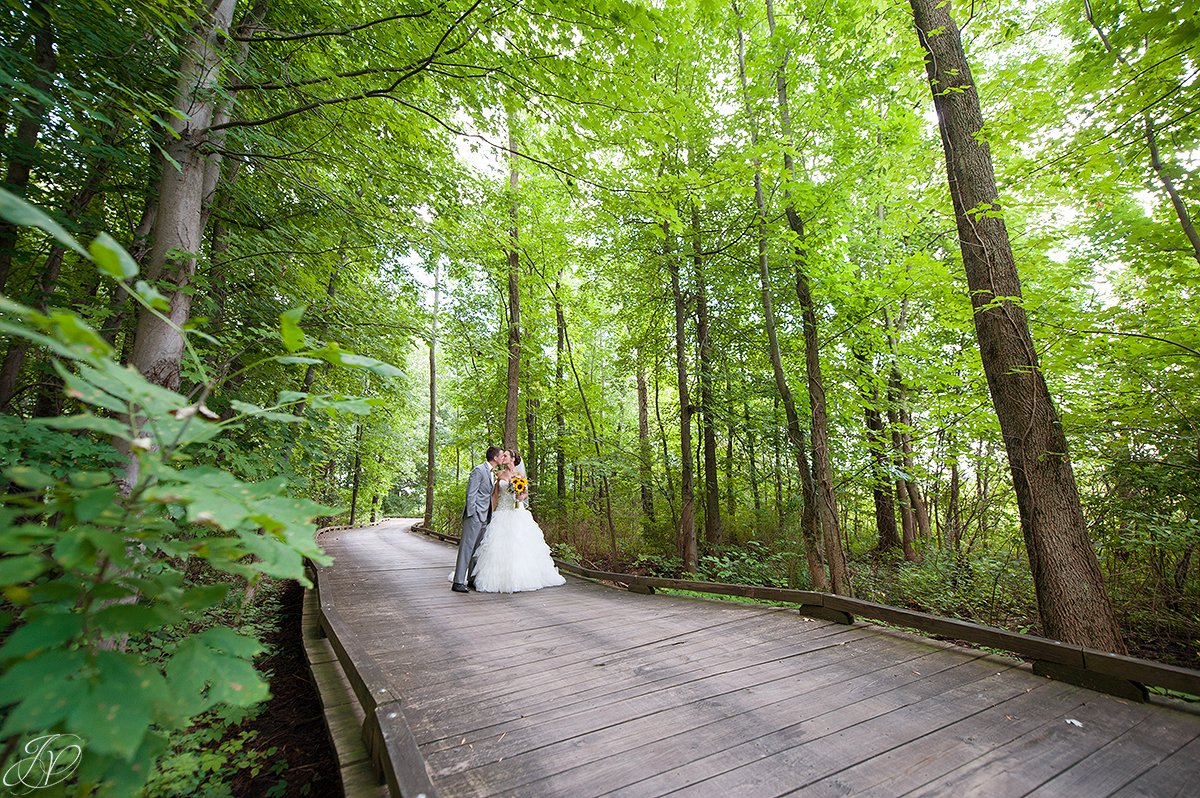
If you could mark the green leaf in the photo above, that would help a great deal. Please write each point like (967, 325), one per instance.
(24, 677)
(289, 329)
(134, 618)
(29, 477)
(105, 426)
(112, 259)
(118, 710)
(222, 638)
(151, 296)
(204, 596)
(20, 212)
(91, 504)
(49, 631)
(262, 412)
(18, 570)
(51, 694)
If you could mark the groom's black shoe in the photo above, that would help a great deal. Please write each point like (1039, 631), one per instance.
(458, 587)
(471, 584)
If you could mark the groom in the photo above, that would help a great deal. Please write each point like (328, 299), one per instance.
(477, 513)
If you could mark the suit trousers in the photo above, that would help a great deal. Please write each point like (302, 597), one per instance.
(472, 535)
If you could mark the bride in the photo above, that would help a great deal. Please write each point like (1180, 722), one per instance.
(513, 555)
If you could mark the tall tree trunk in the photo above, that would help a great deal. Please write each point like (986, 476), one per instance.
(531, 457)
(431, 450)
(822, 461)
(1072, 601)
(357, 473)
(20, 164)
(911, 501)
(908, 522)
(752, 462)
(809, 524)
(712, 496)
(954, 511)
(644, 467)
(686, 534)
(179, 225)
(730, 499)
(885, 510)
(662, 436)
(560, 423)
(514, 299)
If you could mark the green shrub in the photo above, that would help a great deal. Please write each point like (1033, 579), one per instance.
(105, 522)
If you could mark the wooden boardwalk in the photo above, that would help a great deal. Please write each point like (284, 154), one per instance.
(586, 690)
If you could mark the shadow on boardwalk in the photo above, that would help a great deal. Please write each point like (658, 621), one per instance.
(584, 690)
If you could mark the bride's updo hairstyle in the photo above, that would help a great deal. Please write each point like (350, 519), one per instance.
(516, 459)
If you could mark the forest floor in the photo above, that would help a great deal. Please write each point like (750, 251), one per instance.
(290, 728)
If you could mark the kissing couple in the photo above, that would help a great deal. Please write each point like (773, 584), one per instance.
(502, 549)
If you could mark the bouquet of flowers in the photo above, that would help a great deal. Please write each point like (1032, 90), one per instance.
(519, 485)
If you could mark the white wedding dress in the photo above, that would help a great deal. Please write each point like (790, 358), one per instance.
(513, 555)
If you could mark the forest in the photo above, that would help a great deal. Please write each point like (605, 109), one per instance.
(893, 300)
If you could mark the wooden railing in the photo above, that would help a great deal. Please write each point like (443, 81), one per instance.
(1119, 675)
(388, 738)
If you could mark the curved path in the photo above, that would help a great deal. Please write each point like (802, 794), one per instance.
(586, 690)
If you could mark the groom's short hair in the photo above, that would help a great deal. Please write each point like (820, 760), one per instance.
(492, 451)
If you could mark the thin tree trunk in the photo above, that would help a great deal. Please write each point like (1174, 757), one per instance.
(809, 524)
(730, 499)
(908, 523)
(752, 459)
(885, 510)
(822, 462)
(20, 164)
(712, 496)
(1072, 601)
(559, 418)
(358, 440)
(662, 435)
(954, 511)
(431, 450)
(644, 466)
(530, 457)
(686, 534)
(514, 300)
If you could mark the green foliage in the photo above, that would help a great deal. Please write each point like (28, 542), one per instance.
(106, 517)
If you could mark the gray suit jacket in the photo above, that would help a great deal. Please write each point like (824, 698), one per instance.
(479, 493)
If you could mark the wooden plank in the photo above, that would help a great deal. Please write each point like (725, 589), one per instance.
(723, 746)
(922, 761)
(824, 689)
(407, 774)
(1140, 670)
(360, 779)
(624, 679)
(814, 748)
(1175, 777)
(1140, 749)
(744, 718)
(674, 709)
(1029, 761)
